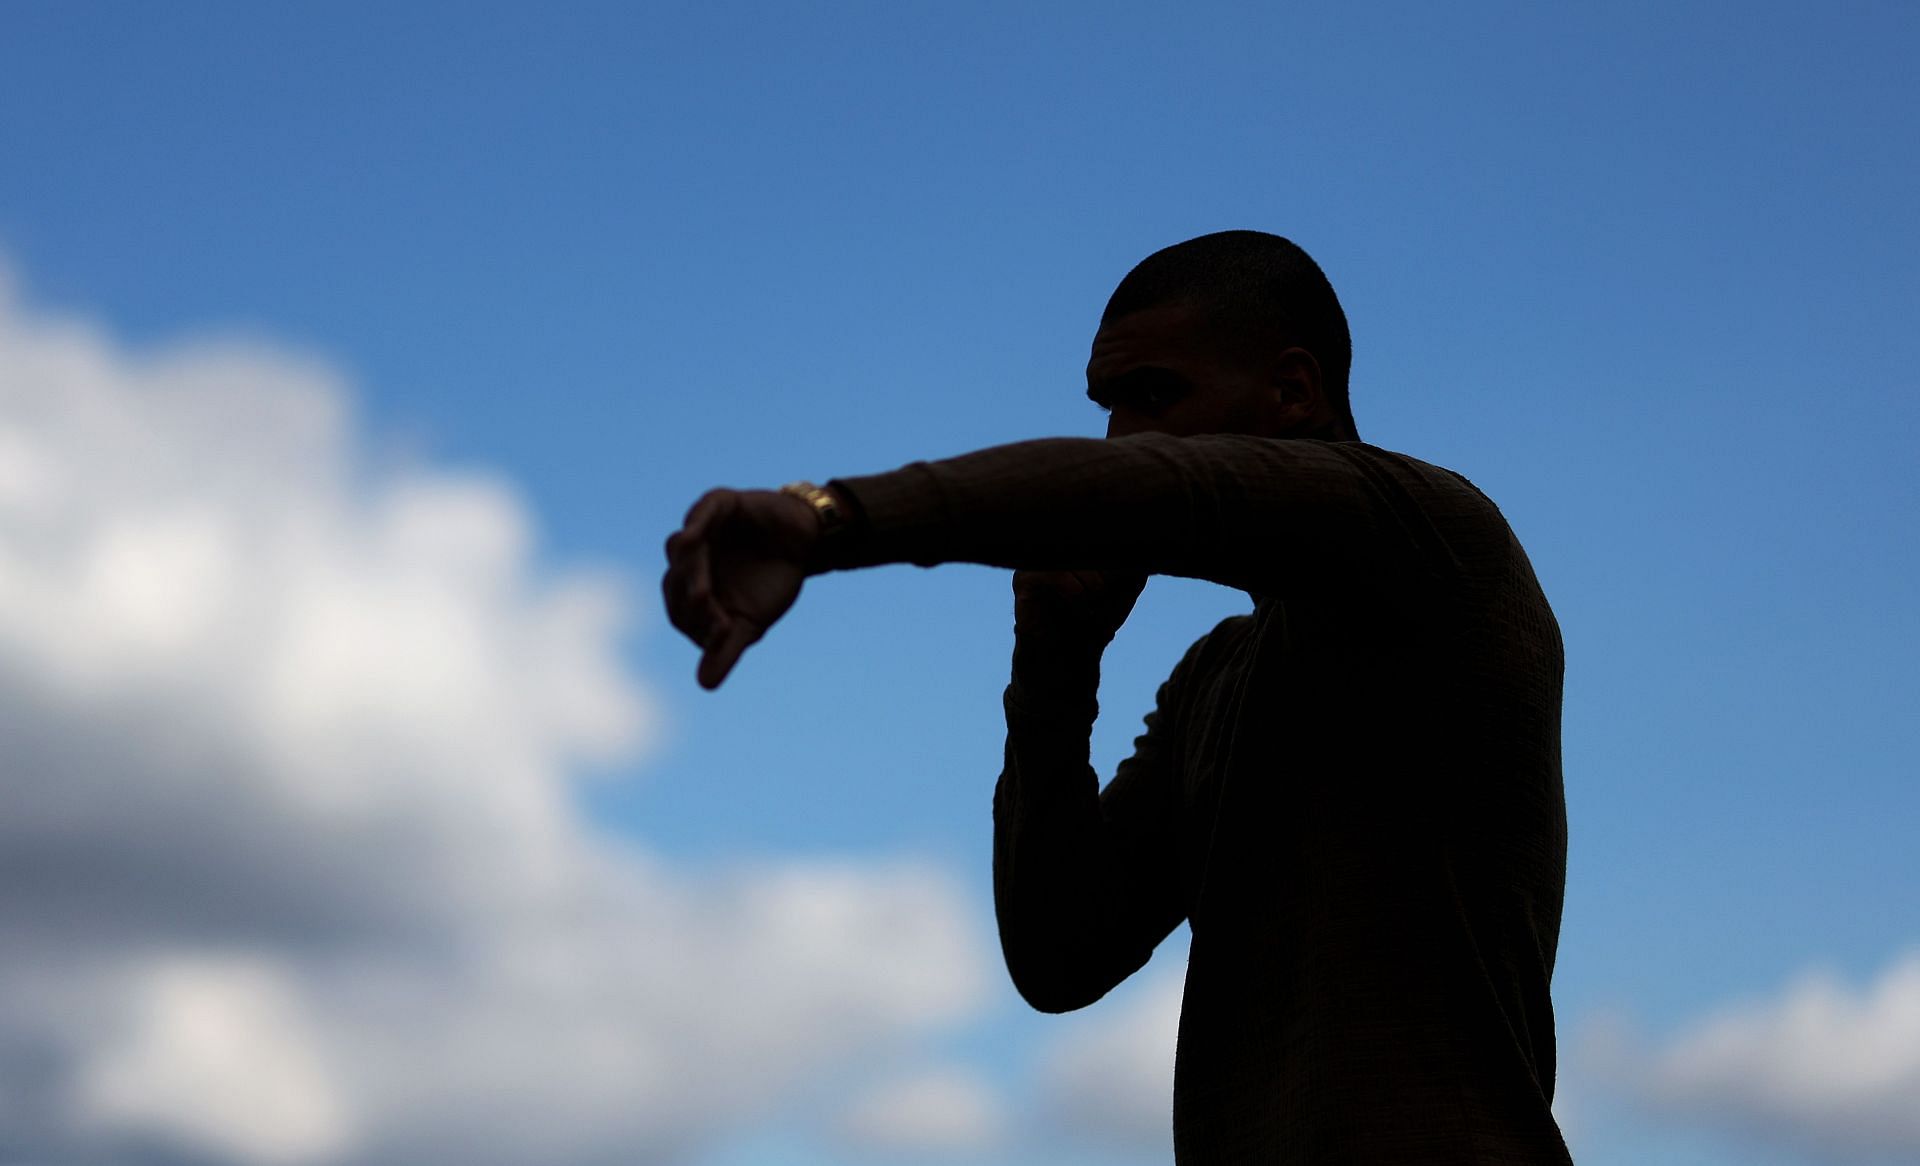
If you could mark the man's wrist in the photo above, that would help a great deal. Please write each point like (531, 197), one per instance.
(835, 515)
(1058, 676)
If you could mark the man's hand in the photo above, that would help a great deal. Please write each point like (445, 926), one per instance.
(1073, 609)
(735, 568)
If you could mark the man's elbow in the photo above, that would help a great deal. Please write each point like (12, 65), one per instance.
(1055, 998)
(1048, 988)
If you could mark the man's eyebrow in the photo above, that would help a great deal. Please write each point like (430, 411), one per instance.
(1099, 388)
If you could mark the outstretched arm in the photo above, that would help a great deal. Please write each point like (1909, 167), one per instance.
(1265, 515)
(1278, 516)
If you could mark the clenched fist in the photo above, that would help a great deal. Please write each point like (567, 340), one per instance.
(733, 569)
(1073, 608)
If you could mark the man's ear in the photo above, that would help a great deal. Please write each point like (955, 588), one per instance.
(1296, 379)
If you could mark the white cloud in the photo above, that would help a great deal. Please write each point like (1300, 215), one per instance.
(219, 1054)
(1108, 1078)
(1832, 1072)
(933, 1112)
(290, 872)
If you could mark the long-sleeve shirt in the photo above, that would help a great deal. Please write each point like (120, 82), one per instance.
(1353, 793)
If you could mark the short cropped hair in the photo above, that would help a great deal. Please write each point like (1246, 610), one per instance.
(1262, 287)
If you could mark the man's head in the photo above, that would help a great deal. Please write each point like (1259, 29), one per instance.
(1233, 332)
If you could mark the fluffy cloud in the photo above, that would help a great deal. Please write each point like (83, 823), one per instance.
(1819, 1067)
(933, 1112)
(292, 873)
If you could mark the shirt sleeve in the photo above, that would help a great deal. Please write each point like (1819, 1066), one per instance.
(1279, 516)
(1086, 881)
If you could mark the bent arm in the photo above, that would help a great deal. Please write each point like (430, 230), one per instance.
(1086, 882)
(1265, 515)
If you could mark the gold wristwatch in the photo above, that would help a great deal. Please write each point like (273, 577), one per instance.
(834, 519)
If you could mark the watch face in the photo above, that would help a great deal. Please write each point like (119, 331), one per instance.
(822, 500)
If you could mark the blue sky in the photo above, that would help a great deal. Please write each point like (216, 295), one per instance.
(1646, 273)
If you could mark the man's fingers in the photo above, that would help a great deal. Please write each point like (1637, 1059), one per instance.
(748, 570)
(1126, 581)
(688, 590)
(712, 505)
(1050, 584)
(734, 638)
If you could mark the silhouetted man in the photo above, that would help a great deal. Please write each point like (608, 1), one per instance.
(1352, 793)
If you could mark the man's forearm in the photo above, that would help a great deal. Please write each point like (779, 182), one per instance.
(1057, 899)
(1056, 680)
(1051, 703)
(1004, 506)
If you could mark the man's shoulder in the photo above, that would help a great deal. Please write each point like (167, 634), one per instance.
(1444, 477)
(1216, 642)
(1455, 522)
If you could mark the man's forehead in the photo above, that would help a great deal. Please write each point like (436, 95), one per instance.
(1163, 332)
